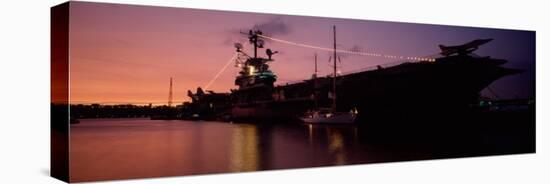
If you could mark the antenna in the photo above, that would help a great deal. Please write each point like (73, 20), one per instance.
(170, 94)
(254, 39)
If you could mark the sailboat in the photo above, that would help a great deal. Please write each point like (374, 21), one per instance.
(330, 115)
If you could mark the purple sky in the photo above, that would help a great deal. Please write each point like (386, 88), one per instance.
(123, 53)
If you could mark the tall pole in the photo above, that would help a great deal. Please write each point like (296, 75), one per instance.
(315, 83)
(170, 94)
(334, 72)
(315, 65)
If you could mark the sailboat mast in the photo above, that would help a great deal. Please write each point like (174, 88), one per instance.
(315, 83)
(315, 64)
(334, 72)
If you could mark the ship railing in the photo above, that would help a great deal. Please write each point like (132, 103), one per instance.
(376, 67)
(369, 68)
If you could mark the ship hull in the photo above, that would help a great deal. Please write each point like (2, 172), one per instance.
(450, 84)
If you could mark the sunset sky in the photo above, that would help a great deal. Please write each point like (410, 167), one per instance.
(127, 54)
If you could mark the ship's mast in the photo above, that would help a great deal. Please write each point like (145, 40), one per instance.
(253, 37)
(255, 40)
(334, 72)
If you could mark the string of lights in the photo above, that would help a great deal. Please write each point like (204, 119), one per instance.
(349, 51)
(221, 71)
(207, 86)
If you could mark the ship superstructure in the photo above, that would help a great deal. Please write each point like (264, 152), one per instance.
(448, 83)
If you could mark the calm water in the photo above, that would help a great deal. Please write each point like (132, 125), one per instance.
(133, 148)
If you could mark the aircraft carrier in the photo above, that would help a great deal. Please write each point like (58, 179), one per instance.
(451, 82)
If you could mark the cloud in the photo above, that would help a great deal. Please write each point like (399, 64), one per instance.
(273, 26)
(354, 48)
(270, 27)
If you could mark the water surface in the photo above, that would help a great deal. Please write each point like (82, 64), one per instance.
(105, 149)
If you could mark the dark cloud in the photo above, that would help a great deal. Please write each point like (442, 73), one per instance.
(354, 48)
(273, 26)
(270, 27)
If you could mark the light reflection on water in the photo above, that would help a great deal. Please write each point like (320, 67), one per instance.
(244, 151)
(336, 147)
(134, 148)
